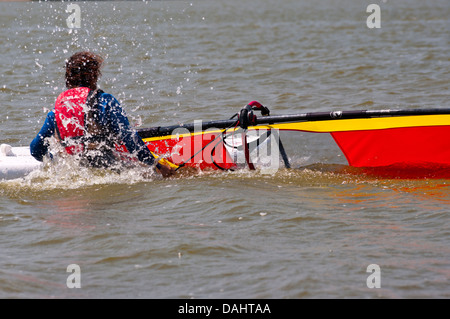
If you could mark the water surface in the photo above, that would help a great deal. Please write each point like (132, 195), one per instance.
(308, 232)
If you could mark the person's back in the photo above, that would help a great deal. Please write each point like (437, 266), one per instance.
(89, 123)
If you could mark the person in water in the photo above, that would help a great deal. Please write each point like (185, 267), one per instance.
(89, 123)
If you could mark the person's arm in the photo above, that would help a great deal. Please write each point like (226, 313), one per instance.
(116, 119)
(39, 145)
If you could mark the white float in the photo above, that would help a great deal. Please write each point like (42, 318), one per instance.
(16, 162)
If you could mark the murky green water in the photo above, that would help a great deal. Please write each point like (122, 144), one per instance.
(308, 232)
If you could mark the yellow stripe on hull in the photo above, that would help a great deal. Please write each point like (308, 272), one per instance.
(345, 125)
(365, 124)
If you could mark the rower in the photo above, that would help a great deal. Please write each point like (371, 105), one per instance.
(89, 123)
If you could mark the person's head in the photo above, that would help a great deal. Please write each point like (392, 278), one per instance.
(83, 70)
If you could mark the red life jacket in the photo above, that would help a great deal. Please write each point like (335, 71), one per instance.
(78, 132)
(70, 110)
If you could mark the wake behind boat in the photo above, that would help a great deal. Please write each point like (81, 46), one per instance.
(390, 141)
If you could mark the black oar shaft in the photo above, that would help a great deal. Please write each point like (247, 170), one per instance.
(315, 116)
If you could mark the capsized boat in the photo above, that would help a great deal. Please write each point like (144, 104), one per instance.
(387, 142)
(409, 140)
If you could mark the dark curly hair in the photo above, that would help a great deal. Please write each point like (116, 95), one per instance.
(83, 70)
